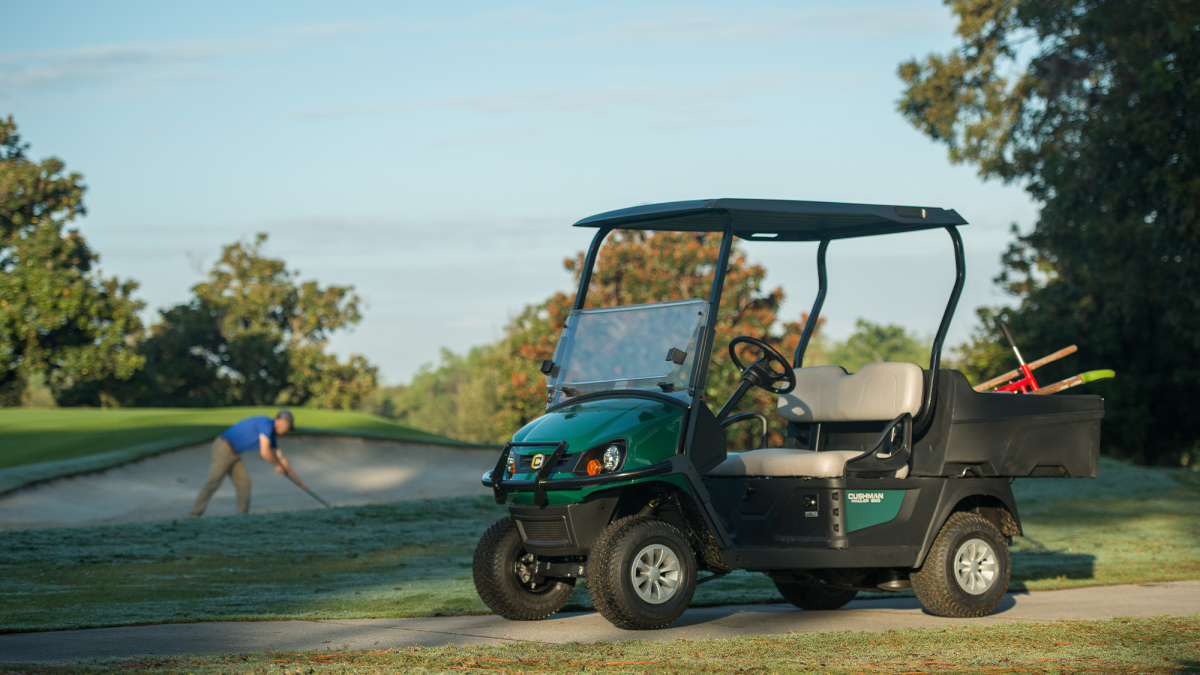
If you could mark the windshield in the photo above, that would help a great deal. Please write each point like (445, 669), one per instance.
(649, 346)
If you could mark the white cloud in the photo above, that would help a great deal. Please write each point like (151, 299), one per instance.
(859, 21)
(46, 69)
(25, 71)
(673, 98)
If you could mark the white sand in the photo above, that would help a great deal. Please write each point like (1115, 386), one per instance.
(340, 469)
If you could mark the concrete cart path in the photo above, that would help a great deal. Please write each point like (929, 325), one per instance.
(343, 470)
(1102, 602)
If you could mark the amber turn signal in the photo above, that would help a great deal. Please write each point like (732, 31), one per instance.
(593, 467)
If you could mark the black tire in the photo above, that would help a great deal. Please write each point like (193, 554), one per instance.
(809, 596)
(938, 586)
(611, 568)
(498, 584)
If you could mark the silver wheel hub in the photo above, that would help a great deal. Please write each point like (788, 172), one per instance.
(523, 568)
(975, 566)
(656, 574)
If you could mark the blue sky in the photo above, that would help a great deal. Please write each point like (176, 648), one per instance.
(434, 155)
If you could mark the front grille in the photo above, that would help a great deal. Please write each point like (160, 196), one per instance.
(544, 531)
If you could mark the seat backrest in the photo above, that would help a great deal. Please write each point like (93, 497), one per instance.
(877, 392)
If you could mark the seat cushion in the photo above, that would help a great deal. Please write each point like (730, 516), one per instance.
(786, 462)
(877, 392)
(789, 462)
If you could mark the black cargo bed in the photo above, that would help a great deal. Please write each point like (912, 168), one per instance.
(1015, 435)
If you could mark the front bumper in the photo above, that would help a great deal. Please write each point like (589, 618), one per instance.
(564, 530)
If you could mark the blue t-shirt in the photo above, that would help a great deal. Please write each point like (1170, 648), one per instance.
(243, 436)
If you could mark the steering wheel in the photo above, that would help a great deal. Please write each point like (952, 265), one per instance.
(759, 373)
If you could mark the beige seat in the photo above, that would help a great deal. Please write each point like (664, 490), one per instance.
(878, 392)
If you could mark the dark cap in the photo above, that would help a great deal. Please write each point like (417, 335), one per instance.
(285, 415)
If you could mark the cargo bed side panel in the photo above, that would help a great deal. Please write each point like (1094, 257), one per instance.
(1015, 435)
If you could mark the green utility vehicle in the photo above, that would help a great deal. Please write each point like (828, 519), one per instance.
(890, 478)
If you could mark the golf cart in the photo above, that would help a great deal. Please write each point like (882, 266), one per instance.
(890, 478)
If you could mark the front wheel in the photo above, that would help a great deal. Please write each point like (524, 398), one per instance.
(809, 596)
(504, 578)
(641, 573)
(966, 571)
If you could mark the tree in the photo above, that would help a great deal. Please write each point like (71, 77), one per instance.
(1095, 106)
(459, 398)
(253, 335)
(874, 343)
(637, 267)
(60, 320)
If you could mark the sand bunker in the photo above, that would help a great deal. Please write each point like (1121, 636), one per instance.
(342, 470)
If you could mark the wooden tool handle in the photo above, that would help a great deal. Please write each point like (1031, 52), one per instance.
(996, 381)
(1082, 378)
(1059, 386)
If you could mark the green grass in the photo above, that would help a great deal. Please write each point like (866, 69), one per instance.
(414, 558)
(1153, 645)
(30, 436)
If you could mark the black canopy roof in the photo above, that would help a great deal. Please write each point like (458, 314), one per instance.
(777, 219)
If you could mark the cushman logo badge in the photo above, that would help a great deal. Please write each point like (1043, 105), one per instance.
(865, 497)
(538, 460)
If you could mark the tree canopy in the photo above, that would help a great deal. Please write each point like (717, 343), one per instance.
(872, 343)
(61, 320)
(252, 335)
(1094, 106)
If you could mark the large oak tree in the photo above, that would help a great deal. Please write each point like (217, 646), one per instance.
(1093, 105)
(59, 318)
(253, 334)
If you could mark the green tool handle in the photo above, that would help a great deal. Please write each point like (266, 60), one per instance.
(1082, 378)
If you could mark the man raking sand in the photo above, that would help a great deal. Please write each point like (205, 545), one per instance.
(253, 433)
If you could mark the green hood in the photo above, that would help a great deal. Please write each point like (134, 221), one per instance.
(650, 428)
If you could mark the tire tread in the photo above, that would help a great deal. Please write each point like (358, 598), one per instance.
(937, 592)
(488, 574)
(603, 591)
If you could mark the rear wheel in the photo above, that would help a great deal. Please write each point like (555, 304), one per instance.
(809, 596)
(504, 578)
(641, 573)
(966, 571)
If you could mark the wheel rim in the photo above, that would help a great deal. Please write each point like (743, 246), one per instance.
(656, 574)
(975, 566)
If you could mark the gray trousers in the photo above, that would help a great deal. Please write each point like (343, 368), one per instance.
(225, 462)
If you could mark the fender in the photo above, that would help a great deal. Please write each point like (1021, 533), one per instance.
(980, 495)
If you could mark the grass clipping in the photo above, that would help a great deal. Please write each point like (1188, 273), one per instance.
(1153, 645)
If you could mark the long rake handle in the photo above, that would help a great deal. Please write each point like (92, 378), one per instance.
(311, 493)
(1065, 351)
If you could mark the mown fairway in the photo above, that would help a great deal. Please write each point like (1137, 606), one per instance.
(42, 435)
(1158, 645)
(414, 558)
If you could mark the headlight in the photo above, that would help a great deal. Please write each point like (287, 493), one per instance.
(512, 465)
(612, 458)
(601, 459)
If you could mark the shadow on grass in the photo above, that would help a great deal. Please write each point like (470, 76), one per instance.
(1040, 564)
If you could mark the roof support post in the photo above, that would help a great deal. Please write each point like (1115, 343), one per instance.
(935, 356)
(585, 276)
(714, 304)
(702, 361)
(810, 326)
